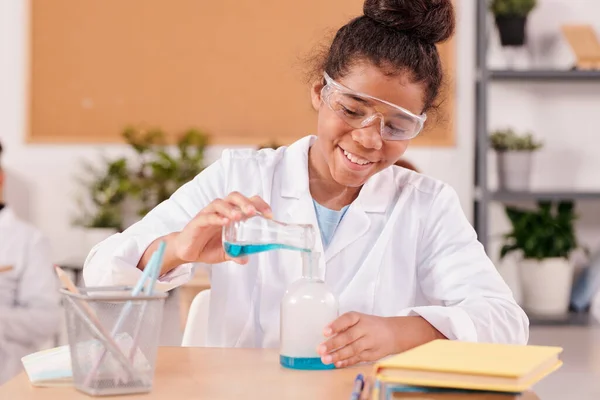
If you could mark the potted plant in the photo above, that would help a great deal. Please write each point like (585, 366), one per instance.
(511, 20)
(100, 211)
(514, 158)
(545, 238)
(160, 171)
(120, 189)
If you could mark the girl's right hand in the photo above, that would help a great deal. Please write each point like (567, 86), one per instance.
(200, 240)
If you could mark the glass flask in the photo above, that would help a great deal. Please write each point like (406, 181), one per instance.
(307, 307)
(258, 233)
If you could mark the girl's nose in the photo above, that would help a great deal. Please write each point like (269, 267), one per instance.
(369, 137)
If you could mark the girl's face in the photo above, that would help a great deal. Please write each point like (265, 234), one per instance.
(353, 155)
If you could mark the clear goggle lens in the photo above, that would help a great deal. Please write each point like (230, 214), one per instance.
(359, 111)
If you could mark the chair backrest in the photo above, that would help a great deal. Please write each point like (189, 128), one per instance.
(194, 334)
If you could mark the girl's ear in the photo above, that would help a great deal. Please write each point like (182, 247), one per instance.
(315, 94)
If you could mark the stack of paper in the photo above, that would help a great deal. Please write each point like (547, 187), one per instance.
(50, 367)
(53, 367)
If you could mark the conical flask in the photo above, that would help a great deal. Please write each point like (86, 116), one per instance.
(307, 307)
(258, 233)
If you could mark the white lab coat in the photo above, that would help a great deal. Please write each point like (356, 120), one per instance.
(404, 247)
(29, 297)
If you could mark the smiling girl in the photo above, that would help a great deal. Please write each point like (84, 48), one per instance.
(398, 251)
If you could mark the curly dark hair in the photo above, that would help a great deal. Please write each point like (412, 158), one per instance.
(397, 36)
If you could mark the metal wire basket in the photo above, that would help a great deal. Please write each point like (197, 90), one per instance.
(113, 339)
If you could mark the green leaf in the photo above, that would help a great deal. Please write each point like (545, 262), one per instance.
(508, 140)
(512, 7)
(546, 231)
(156, 176)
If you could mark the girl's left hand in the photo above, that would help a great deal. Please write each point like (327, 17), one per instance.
(356, 337)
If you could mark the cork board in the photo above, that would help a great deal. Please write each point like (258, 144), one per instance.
(233, 68)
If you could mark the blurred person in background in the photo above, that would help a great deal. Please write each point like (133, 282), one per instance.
(595, 309)
(29, 297)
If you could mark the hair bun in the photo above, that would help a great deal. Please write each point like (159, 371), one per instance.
(431, 21)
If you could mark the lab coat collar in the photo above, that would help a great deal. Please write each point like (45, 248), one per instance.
(295, 164)
(375, 196)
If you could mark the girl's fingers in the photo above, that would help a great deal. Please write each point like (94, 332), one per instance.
(349, 362)
(235, 206)
(261, 206)
(237, 260)
(207, 220)
(342, 323)
(242, 202)
(226, 209)
(366, 355)
(353, 349)
(341, 342)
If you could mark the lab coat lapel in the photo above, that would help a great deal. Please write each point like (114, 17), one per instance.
(352, 227)
(360, 292)
(375, 197)
(358, 265)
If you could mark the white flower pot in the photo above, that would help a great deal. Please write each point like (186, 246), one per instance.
(546, 285)
(514, 170)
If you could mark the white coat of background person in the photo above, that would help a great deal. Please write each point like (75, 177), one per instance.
(29, 297)
(595, 306)
(404, 261)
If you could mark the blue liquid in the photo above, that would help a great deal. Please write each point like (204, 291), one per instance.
(305, 363)
(241, 250)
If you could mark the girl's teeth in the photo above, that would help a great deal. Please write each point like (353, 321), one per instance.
(355, 159)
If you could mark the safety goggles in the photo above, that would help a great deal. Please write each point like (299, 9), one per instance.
(360, 110)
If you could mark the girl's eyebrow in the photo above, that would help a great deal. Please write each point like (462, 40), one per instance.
(358, 98)
(368, 101)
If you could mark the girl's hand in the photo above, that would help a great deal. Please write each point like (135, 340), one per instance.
(200, 240)
(356, 337)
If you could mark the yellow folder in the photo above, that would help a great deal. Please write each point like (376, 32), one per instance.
(469, 365)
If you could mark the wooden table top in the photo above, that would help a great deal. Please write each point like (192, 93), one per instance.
(186, 373)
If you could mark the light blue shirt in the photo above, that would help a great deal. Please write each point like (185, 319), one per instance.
(328, 221)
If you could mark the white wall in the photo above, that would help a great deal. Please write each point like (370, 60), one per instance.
(561, 114)
(41, 186)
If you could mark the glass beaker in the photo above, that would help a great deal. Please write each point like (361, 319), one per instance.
(307, 307)
(258, 233)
